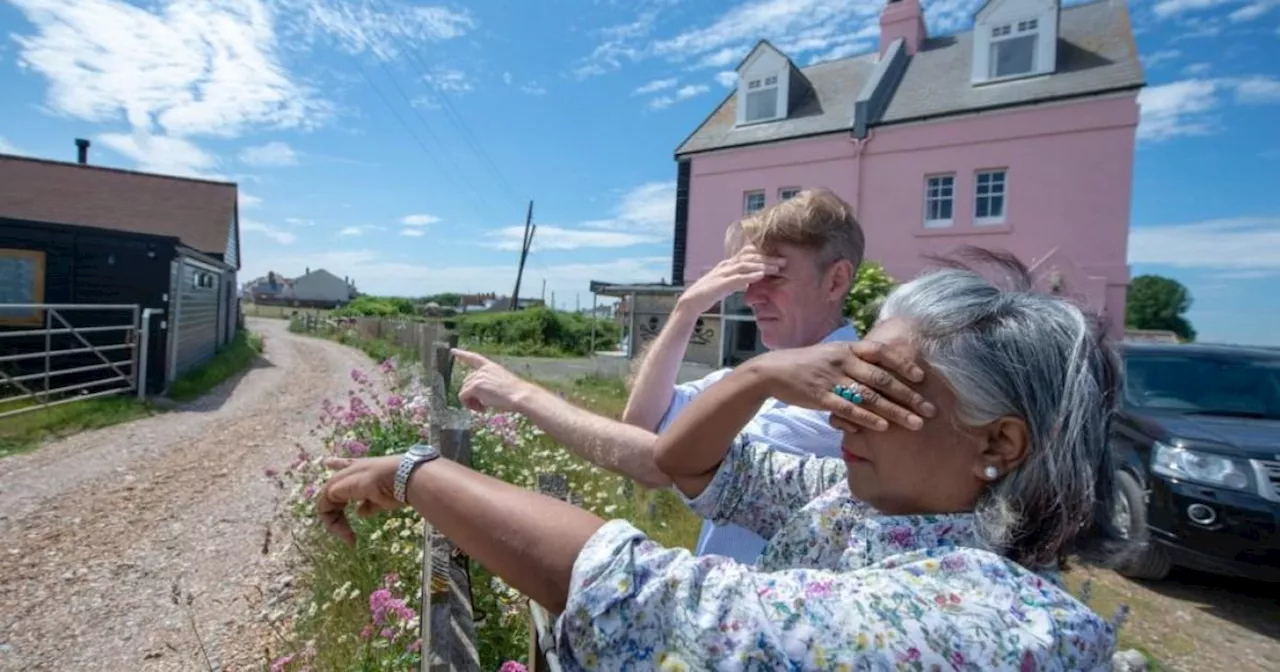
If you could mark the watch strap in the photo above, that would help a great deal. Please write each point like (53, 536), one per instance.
(414, 457)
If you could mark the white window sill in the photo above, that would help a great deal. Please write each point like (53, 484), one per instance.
(988, 221)
(938, 223)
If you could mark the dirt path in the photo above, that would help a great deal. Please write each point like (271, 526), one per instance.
(102, 529)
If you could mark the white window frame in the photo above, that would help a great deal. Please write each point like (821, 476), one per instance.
(1009, 31)
(746, 201)
(784, 191)
(929, 197)
(763, 83)
(1003, 194)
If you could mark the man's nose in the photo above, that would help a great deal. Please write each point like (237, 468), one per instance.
(754, 295)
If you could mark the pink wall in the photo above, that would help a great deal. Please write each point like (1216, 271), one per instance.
(1069, 171)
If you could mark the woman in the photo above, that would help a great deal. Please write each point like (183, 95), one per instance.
(937, 547)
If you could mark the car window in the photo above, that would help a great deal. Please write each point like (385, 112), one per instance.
(1211, 385)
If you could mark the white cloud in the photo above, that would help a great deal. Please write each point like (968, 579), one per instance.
(728, 79)
(534, 89)
(254, 226)
(163, 154)
(7, 147)
(649, 208)
(644, 215)
(187, 67)
(557, 238)
(380, 274)
(1168, 8)
(413, 233)
(1197, 69)
(1237, 244)
(1155, 58)
(248, 201)
(656, 86)
(1253, 10)
(506, 78)
(1191, 106)
(448, 80)
(273, 153)
(419, 220)
(352, 231)
(382, 27)
(298, 221)
(683, 93)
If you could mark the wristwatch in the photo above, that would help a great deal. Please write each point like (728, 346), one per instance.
(415, 456)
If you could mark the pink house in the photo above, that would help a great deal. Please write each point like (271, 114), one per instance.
(1016, 135)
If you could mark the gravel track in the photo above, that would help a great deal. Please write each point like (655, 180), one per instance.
(121, 543)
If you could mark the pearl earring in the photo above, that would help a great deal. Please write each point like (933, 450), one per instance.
(991, 472)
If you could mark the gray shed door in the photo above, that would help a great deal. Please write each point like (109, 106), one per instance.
(196, 330)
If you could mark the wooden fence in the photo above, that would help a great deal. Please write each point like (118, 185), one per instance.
(447, 615)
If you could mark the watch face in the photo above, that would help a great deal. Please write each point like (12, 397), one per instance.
(422, 449)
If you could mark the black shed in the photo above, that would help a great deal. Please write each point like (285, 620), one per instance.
(90, 277)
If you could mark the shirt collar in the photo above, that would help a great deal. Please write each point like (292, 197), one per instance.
(845, 332)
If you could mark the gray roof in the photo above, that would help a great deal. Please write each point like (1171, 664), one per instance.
(1096, 53)
(830, 108)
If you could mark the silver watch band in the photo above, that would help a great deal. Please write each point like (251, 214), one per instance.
(415, 456)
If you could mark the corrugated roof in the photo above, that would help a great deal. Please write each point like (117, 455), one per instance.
(1096, 53)
(198, 212)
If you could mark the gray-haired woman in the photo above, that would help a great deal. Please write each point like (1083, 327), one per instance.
(937, 548)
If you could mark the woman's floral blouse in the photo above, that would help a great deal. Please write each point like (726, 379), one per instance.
(839, 587)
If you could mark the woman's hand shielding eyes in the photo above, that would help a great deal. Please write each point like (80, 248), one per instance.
(871, 375)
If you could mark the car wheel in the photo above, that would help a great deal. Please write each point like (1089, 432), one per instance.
(1130, 517)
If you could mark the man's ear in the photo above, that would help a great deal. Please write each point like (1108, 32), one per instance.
(840, 278)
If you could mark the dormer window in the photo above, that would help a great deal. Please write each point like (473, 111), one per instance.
(1014, 39)
(762, 99)
(1013, 49)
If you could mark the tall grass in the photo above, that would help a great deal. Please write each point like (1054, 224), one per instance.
(233, 358)
(26, 431)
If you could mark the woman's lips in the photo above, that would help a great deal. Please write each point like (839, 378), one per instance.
(850, 457)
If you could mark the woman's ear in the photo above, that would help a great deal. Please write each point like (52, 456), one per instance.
(1007, 443)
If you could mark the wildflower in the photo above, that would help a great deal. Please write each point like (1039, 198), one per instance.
(395, 401)
(512, 666)
(356, 448)
(278, 665)
(367, 632)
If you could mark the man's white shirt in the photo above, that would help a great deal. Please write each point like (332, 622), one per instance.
(780, 426)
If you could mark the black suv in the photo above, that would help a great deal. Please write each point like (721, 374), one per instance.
(1198, 437)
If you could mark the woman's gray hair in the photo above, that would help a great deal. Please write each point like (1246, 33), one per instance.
(1020, 352)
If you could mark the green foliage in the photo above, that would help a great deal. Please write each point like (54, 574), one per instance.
(869, 289)
(450, 299)
(1157, 302)
(233, 358)
(536, 332)
(377, 306)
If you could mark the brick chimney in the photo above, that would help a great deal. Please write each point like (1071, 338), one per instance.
(82, 151)
(905, 19)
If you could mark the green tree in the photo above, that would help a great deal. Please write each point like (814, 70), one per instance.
(869, 289)
(1157, 302)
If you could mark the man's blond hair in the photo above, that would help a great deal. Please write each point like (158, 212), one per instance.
(815, 220)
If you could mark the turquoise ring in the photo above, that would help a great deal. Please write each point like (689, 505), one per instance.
(849, 394)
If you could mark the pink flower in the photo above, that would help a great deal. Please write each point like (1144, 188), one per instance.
(367, 632)
(388, 633)
(356, 448)
(513, 666)
(415, 646)
(395, 401)
(278, 665)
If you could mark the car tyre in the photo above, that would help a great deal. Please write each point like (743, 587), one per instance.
(1151, 562)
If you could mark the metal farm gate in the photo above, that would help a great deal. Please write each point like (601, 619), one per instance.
(63, 353)
(195, 301)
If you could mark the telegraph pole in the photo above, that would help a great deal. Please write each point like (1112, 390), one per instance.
(529, 229)
(544, 290)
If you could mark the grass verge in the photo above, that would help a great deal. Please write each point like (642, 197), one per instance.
(25, 431)
(230, 360)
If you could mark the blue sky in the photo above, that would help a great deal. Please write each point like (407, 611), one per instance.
(399, 142)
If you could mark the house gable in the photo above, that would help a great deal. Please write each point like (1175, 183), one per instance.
(1014, 39)
(764, 85)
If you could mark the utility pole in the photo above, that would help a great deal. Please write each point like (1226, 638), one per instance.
(529, 229)
(553, 300)
(577, 302)
(544, 290)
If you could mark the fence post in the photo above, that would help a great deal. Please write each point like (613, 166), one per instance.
(447, 619)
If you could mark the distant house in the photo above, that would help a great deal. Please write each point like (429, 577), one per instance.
(268, 288)
(74, 236)
(321, 289)
(1016, 135)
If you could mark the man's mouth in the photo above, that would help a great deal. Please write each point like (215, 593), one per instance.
(850, 457)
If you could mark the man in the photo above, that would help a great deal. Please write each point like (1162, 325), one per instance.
(795, 261)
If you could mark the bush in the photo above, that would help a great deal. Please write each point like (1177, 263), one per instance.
(377, 306)
(867, 293)
(536, 332)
